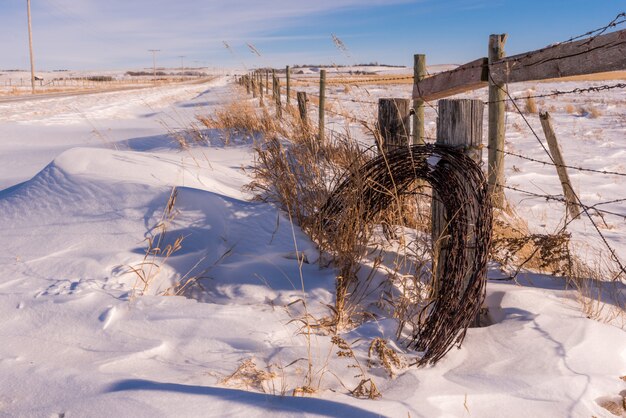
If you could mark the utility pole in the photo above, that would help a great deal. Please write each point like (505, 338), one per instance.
(182, 66)
(154, 51)
(30, 45)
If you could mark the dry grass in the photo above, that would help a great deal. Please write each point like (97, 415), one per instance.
(249, 376)
(366, 387)
(298, 176)
(296, 171)
(156, 254)
(241, 119)
(516, 248)
(607, 76)
(381, 354)
(590, 111)
(530, 105)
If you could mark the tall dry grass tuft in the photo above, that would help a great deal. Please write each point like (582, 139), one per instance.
(298, 172)
(299, 175)
(242, 120)
(157, 252)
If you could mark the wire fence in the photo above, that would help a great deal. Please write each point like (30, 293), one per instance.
(589, 210)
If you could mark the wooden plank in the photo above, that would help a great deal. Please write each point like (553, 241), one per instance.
(467, 77)
(588, 56)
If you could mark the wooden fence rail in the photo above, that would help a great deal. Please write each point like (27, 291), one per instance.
(596, 54)
(588, 56)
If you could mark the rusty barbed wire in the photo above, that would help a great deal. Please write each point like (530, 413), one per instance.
(554, 93)
(463, 191)
(618, 20)
(584, 207)
(590, 170)
(559, 198)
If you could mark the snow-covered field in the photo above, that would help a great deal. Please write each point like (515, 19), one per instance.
(86, 179)
(18, 83)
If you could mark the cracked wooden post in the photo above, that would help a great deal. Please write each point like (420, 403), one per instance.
(393, 123)
(419, 73)
(260, 77)
(497, 97)
(274, 85)
(573, 209)
(288, 87)
(459, 125)
(302, 107)
(279, 110)
(322, 103)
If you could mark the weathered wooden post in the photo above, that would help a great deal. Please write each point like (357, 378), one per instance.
(302, 107)
(459, 125)
(267, 82)
(288, 85)
(279, 110)
(394, 123)
(322, 103)
(570, 197)
(497, 97)
(247, 82)
(419, 73)
(273, 84)
(253, 84)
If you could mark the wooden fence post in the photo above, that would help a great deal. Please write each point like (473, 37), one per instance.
(568, 191)
(497, 97)
(247, 82)
(267, 82)
(302, 107)
(253, 84)
(394, 123)
(459, 125)
(419, 73)
(260, 78)
(279, 110)
(288, 85)
(273, 84)
(322, 103)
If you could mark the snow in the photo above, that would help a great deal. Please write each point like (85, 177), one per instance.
(85, 180)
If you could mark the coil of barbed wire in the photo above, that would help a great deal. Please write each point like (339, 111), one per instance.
(460, 184)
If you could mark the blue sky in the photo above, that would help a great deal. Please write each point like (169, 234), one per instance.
(108, 34)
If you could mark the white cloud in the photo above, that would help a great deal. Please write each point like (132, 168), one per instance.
(99, 32)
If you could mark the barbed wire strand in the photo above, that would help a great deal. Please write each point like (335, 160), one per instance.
(585, 210)
(591, 170)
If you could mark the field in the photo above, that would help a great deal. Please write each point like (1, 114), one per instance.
(139, 277)
(16, 83)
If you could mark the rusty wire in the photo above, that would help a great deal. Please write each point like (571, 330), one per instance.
(463, 191)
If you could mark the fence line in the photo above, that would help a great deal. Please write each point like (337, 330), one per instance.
(534, 65)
